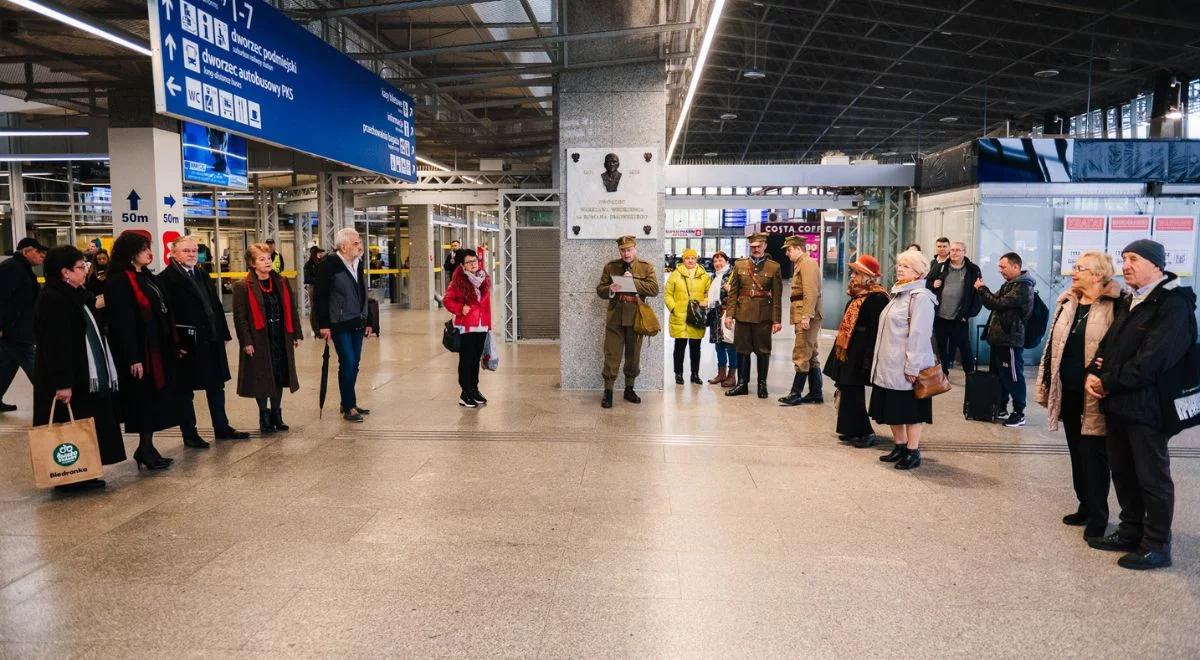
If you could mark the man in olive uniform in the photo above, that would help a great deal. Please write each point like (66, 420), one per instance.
(806, 317)
(619, 337)
(753, 300)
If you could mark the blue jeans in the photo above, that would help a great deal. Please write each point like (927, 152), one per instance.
(348, 344)
(726, 355)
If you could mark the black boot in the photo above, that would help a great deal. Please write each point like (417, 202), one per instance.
(277, 420)
(606, 400)
(743, 378)
(910, 460)
(764, 362)
(264, 422)
(631, 396)
(679, 379)
(898, 452)
(796, 396)
(814, 387)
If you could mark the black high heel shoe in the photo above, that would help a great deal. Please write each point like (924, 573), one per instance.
(149, 462)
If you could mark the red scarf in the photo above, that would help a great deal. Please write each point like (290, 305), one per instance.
(154, 359)
(256, 312)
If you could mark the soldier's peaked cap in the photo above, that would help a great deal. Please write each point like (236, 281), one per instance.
(760, 237)
(626, 242)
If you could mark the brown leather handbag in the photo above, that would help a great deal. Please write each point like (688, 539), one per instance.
(931, 381)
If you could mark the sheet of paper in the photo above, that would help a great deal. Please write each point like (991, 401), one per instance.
(625, 282)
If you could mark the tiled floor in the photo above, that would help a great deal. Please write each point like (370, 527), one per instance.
(689, 526)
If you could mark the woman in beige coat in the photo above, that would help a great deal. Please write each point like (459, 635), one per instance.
(1080, 321)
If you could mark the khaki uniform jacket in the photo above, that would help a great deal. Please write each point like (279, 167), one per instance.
(621, 313)
(746, 280)
(806, 291)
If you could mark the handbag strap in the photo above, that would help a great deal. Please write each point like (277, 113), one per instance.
(70, 411)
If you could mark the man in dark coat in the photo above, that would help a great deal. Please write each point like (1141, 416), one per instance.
(1011, 307)
(953, 282)
(1150, 333)
(18, 293)
(203, 331)
(341, 309)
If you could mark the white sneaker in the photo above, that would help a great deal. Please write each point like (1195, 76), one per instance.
(466, 401)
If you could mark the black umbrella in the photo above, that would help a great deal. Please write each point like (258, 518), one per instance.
(324, 380)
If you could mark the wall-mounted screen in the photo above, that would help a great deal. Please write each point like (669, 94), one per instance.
(213, 158)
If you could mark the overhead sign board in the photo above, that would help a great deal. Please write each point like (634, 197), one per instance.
(242, 66)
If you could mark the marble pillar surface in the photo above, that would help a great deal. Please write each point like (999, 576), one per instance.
(621, 106)
(421, 256)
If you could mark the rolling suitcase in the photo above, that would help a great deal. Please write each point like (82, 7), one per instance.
(982, 399)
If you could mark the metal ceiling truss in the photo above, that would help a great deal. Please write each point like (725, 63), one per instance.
(511, 201)
(440, 180)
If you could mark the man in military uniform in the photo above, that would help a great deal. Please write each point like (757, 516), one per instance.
(753, 300)
(619, 336)
(806, 317)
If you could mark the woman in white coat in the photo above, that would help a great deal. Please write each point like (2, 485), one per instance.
(718, 334)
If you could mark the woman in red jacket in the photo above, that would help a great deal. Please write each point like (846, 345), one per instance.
(469, 298)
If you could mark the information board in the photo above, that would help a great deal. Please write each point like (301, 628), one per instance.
(245, 67)
(1082, 233)
(212, 157)
(1123, 230)
(1177, 233)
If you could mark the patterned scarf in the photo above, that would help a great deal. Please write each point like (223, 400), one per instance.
(859, 293)
(256, 313)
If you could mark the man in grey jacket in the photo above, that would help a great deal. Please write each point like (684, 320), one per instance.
(341, 309)
(1011, 307)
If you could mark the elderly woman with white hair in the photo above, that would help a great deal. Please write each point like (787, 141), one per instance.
(341, 310)
(904, 347)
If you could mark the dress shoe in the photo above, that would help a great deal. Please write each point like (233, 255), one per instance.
(194, 441)
(730, 379)
(762, 389)
(796, 396)
(1077, 519)
(679, 379)
(867, 441)
(632, 396)
(898, 452)
(6, 407)
(1144, 560)
(910, 460)
(230, 433)
(277, 421)
(90, 484)
(695, 380)
(741, 389)
(606, 400)
(1114, 543)
(149, 462)
(361, 411)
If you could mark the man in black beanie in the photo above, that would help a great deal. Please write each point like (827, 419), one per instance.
(1144, 340)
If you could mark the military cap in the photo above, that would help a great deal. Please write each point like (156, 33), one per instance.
(760, 237)
(626, 242)
(793, 241)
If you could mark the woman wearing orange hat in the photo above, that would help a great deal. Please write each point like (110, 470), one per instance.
(849, 363)
(689, 283)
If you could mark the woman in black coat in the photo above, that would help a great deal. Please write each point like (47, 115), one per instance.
(849, 363)
(145, 346)
(73, 363)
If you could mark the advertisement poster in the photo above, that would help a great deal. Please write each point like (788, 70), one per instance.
(614, 192)
(213, 158)
(1177, 233)
(1123, 230)
(1081, 233)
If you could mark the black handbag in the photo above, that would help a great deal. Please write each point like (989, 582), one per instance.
(451, 338)
(697, 314)
(1179, 390)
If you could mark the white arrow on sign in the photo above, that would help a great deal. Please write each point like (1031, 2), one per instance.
(172, 86)
(168, 5)
(170, 44)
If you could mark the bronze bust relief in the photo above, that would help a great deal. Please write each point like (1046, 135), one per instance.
(611, 176)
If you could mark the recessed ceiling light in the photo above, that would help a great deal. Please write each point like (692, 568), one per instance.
(948, 34)
(753, 74)
(728, 115)
(890, 153)
(1045, 73)
(880, 87)
(44, 133)
(710, 154)
(948, 120)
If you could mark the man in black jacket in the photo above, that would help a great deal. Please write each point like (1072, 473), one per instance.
(958, 303)
(203, 331)
(18, 293)
(1150, 333)
(341, 309)
(938, 262)
(1011, 307)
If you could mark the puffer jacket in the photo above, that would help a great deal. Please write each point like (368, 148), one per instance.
(462, 293)
(1142, 343)
(904, 345)
(1048, 391)
(1011, 307)
(680, 287)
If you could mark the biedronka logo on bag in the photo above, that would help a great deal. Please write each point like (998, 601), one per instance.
(66, 455)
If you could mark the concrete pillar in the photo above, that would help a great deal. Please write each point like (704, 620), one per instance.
(422, 256)
(147, 186)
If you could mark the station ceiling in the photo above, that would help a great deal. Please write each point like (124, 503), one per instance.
(887, 76)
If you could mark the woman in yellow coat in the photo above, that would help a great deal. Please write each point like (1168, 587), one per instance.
(688, 282)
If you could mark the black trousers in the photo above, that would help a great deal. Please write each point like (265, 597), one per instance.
(216, 409)
(468, 360)
(1009, 365)
(1089, 465)
(1141, 474)
(952, 336)
(852, 419)
(694, 346)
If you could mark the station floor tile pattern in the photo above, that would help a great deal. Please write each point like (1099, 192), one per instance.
(543, 526)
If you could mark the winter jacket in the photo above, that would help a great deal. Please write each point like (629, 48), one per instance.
(340, 301)
(856, 368)
(1048, 391)
(904, 345)
(256, 373)
(680, 288)
(461, 292)
(18, 293)
(1141, 344)
(970, 302)
(1011, 307)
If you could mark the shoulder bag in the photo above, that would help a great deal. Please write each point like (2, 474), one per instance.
(697, 316)
(451, 337)
(931, 381)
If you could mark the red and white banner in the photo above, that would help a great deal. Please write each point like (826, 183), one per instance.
(1177, 233)
(1081, 233)
(1123, 230)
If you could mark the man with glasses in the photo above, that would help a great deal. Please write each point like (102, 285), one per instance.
(958, 303)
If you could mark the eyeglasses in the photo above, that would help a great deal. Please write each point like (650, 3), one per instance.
(1082, 269)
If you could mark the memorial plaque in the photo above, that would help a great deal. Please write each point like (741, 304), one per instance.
(613, 192)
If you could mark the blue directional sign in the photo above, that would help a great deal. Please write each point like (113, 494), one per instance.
(244, 67)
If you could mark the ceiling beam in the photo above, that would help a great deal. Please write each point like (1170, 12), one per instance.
(509, 102)
(453, 25)
(383, 8)
(478, 87)
(527, 41)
